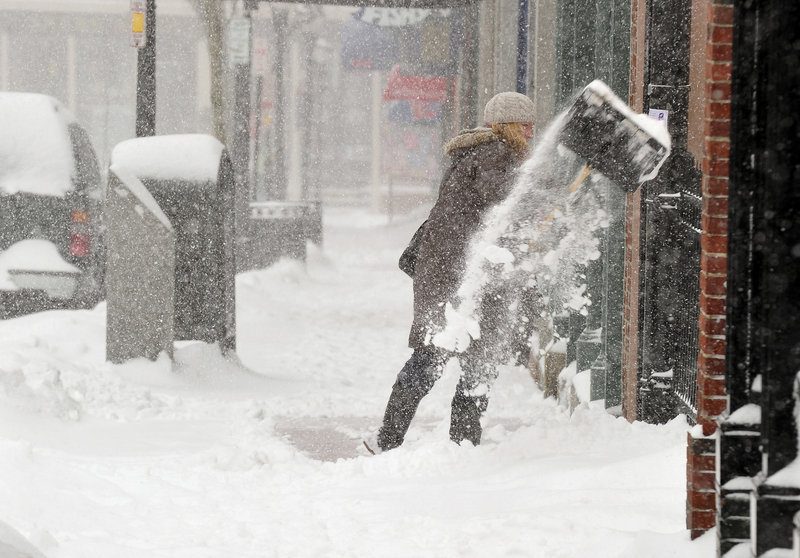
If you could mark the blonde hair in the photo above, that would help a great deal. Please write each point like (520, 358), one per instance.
(511, 133)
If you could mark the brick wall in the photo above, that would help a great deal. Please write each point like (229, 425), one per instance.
(711, 397)
(630, 318)
(701, 494)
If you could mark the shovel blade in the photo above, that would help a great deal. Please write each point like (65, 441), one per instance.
(613, 139)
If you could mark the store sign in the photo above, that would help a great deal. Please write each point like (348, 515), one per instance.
(396, 17)
(409, 87)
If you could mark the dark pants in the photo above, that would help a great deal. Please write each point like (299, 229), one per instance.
(415, 381)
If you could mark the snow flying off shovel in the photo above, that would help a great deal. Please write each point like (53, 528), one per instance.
(626, 147)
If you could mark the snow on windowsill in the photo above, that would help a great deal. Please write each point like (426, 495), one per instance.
(747, 414)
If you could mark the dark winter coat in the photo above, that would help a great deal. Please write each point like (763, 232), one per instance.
(479, 176)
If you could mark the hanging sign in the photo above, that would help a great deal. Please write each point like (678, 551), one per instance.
(239, 41)
(138, 23)
(409, 87)
(659, 114)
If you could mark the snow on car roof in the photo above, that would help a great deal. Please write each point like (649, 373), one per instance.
(35, 147)
(191, 157)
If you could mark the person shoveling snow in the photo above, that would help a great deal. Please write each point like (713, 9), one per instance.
(476, 259)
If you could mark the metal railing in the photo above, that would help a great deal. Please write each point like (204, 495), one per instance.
(670, 310)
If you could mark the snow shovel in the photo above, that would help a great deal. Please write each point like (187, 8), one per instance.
(626, 147)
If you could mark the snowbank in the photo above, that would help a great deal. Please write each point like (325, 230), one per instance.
(261, 457)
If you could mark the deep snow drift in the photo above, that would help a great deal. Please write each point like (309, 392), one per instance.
(213, 459)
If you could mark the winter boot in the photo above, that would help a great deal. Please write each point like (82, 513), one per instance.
(400, 409)
(413, 383)
(465, 417)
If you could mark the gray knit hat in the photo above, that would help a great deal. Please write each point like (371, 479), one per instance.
(508, 107)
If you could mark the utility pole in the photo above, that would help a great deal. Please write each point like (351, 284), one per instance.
(239, 50)
(522, 47)
(143, 26)
(468, 69)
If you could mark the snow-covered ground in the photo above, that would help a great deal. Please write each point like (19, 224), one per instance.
(210, 458)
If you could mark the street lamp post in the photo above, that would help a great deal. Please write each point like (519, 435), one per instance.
(240, 47)
(146, 69)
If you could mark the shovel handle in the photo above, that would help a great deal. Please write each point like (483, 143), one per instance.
(582, 175)
(585, 171)
(580, 178)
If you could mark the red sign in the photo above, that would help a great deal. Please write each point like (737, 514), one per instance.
(407, 87)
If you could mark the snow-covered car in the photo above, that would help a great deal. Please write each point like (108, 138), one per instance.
(51, 195)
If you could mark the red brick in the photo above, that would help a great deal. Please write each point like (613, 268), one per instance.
(721, 15)
(708, 424)
(715, 206)
(709, 345)
(711, 386)
(712, 284)
(712, 406)
(702, 501)
(717, 129)
(701, 521)
(714, 224)
(711, 325)
(718, 90)
(718, 71)
(712, 305)
(718, 168)
(701, 463)
(700, 480)
(714, 244)
(720, 33)
(718, 110)
(719, 52)
(715, 187)
(712, 379)
(718, 149)
(709, 365)
(715, 263)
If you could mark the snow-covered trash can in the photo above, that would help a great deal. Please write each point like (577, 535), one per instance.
(191, 178)
(140, 272)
